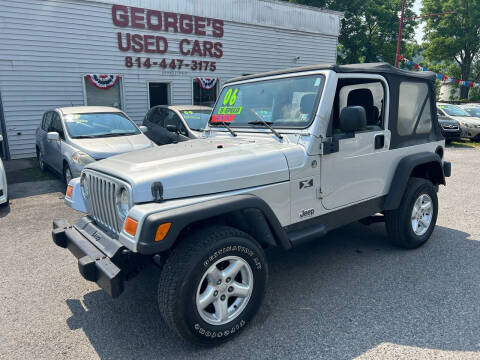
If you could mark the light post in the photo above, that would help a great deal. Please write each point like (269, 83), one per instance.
(400, 27)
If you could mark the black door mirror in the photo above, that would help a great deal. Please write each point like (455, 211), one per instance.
(353, 118)
(172, 128)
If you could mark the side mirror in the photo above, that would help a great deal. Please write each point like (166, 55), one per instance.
(143, 128)
(53, 136)
(353, 118)
(172, 128)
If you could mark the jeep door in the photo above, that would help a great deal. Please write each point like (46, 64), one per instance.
(356, 166)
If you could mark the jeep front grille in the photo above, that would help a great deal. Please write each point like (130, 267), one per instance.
(102, 195)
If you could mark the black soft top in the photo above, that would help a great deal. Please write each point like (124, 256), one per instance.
(369, 68)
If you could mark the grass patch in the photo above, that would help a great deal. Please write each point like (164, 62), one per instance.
(464, 143)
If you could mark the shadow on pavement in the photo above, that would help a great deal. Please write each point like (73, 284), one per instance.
(333, 299)
(26, 189)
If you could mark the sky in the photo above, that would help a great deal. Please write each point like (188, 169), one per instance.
(419, 33)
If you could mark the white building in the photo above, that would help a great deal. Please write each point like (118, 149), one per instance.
(51, 50)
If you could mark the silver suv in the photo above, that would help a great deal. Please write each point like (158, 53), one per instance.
(288, 156)
(71, 137)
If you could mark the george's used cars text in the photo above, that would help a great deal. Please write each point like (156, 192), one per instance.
(287, 156)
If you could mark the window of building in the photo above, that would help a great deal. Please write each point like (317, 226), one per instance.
(414, 108)
(202, 95)
(95, 96)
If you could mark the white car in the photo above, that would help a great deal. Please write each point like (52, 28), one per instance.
(3, 182)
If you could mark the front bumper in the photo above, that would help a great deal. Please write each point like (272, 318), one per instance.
(101, 258)
(451, 134)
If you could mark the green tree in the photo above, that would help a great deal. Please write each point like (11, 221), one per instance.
(369, 29)
(454, 37)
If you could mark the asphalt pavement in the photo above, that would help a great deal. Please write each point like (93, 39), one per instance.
(348, 295)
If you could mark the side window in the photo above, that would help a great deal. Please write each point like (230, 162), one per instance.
(56, 125)
(47, 119)
(158, 116)
(172, 119)
(414, 110)
(371, 96)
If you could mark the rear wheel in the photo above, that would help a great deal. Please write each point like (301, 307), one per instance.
(41, 160)
(411, 225)
(212, 284)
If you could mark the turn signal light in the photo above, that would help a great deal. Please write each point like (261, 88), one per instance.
(131, 226)
(69, 191)
(162, 231)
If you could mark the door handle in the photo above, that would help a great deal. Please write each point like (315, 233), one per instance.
(379, 141)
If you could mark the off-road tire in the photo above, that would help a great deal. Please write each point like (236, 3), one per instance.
(182, 274)
(399, 221)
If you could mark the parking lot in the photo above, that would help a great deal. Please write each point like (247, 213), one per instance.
(348, 295)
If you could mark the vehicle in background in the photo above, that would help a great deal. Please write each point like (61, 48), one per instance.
(450, 128)
(469, 125)
(3, 182)
(171, 124)
(71, 137)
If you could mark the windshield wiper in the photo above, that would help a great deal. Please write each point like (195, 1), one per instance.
(116, 134)
(225, 124)
(267, 124)
(84, 137)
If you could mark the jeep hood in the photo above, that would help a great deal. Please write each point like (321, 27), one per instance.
(201, 166)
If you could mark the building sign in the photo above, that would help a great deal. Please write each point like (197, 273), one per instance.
(198, 55)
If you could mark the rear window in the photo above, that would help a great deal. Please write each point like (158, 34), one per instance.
(414, 109)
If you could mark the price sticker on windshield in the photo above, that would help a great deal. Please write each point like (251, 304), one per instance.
(222, 118)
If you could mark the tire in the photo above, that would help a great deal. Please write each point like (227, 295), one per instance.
(400, 223)
(41, 160)
(5, 204)
(184, 278)
(67, 174)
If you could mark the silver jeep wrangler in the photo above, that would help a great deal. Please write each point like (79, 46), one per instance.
(287, 156)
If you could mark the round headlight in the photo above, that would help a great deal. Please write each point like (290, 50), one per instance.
(84, 186)
(123, 203)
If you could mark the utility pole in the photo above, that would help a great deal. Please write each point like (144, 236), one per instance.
(400, 27)
(400, 32)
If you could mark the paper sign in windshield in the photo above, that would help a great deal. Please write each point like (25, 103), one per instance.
(222, 118)
(230, 110)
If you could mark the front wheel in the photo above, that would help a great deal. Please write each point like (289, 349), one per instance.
(67, 174)
(212, 284)
(411, 225)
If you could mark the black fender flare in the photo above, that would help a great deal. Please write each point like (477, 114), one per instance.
(183, 216)
(404, 171)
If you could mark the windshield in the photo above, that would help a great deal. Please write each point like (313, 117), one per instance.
(99, 125)
(196, 119)
(286, 103)
(474, 111)
(453, 110)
